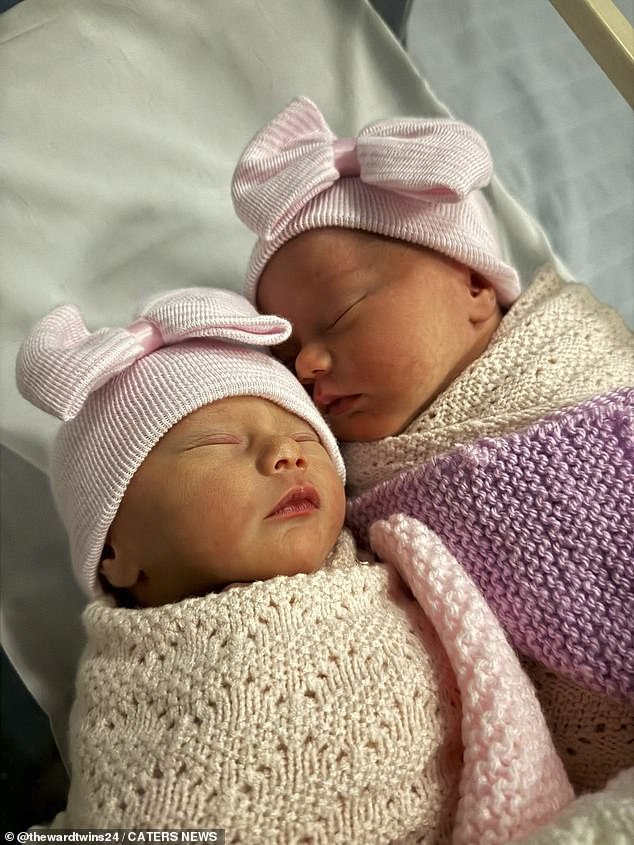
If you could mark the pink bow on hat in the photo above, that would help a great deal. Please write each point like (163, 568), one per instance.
(61, 363)
(296, 156)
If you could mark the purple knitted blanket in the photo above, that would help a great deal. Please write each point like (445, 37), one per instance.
(543, 520)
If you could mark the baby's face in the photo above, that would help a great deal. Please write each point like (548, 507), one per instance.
(240, 490)
(380, 327)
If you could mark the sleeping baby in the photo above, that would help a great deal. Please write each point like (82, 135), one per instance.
(244, 669)
(503, 422)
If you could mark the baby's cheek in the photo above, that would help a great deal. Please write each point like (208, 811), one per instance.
(333, 509)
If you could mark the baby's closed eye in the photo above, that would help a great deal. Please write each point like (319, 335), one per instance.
(345, 312)
(217, 438)
(304, 436)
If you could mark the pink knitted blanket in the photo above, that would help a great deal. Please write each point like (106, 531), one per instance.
(543, 521)
(512, 780)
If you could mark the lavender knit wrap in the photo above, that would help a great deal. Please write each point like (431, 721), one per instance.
(543, 521)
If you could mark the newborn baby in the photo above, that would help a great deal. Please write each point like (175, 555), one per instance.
(493, 417)
(317, 702)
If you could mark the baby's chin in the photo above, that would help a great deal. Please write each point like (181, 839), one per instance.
(302, 566)
(358, 429)
(366, 425)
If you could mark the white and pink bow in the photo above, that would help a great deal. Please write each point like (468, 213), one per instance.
(297, 156)
(61, 363)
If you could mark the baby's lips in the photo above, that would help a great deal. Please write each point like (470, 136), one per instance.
(322, 399)
(343, 404)
(325, 400)
(298, 494)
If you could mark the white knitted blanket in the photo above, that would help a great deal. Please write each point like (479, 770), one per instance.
(316, 708)
(603, 818)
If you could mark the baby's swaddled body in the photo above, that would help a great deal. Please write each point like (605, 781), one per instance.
(313, 708)
(524, 468)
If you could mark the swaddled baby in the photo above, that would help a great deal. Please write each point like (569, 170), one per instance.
(501, 421)
(244, 669)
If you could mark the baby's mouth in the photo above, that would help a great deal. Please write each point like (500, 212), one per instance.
(332, 405)
(342, 405)
(299, 501)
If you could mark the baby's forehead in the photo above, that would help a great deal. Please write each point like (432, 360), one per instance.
(331, 259)
(336, 242)
(316, 265)
(252, 411)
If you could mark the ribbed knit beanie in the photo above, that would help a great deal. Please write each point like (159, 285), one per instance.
(118, 391)
(413, 179)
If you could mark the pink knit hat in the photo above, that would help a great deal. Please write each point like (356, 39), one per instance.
(413, 179)
(119, 391)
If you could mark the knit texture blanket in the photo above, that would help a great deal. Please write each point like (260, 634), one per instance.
(512, 779)
(541, 518)
(604, 818)
(543, 521)
(317, 708)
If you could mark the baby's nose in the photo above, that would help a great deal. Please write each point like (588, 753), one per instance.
(282, 454)
(312, 362)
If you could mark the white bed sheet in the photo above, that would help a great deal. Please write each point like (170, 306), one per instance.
(561, 135)
(121, 124)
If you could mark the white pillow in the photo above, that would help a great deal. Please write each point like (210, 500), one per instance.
(122, 122)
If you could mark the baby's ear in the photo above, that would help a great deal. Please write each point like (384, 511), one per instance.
(484, 302)
(117, 568)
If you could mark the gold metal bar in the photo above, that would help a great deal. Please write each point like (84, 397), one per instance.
(607, 35)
